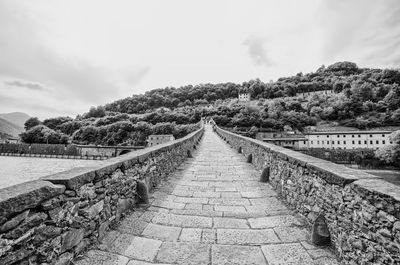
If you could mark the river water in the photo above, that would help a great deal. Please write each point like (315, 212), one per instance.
(15, 170)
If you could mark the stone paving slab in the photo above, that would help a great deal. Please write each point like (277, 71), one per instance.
(102, 258)
(161, 232)
(236, 255)
(246, 236)
(292, 234)
(138, 262)
(286, 254)
(191, 235)
(184, 253)
(212, 211)
(136, 247)
(230, 223)
(273, 221)
(182, 220)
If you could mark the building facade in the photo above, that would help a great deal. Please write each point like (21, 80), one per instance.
(244, 96)
(328, 140)
(284, 139)
(348, 139)
(156, 139)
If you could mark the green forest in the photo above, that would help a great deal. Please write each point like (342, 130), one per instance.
(363, 98)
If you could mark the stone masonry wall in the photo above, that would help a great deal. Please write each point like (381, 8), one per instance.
(361, 211)
(52, 220)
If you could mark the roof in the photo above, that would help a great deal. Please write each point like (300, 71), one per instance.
(350, 132)
(286, 139)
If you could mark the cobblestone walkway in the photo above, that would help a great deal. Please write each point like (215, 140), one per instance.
(212, 211)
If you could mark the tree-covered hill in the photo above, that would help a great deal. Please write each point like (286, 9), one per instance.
(338, 77)
(362, 98)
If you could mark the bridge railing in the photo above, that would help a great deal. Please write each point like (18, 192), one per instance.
(357, 213)
(57, 217)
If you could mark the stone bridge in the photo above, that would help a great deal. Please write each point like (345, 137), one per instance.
(106, 151)
(241, 201)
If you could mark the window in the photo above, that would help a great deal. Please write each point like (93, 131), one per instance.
(304, 142)
(317, 136)
(327, 136)
(327, 142)
(338, 136)
(317, 142)
(352, 136)
(383, 141)
(383, 135)
(359, 142)
(377, 142)
(338, 142)
(370, 135)
(371, 142)
(352, 142)
(359, 136)
(365, 142)
(344, 142)
(344, 136)
(333, 142)
(322, 142)
(312, 142)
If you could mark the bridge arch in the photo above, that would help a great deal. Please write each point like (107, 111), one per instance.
(124, 151)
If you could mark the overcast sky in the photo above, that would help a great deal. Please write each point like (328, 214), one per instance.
(61, 57)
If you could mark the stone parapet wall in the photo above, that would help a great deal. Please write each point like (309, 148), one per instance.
(56, 218)
(361, 211)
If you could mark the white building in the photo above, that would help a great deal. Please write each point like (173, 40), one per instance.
(348, 139)
(284, 139)
(156, 139)
(244, 96)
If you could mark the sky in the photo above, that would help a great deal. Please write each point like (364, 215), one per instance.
(59, 58)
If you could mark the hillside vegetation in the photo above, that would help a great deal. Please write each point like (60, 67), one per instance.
(17, 118)
(363, 98)
(9, 128)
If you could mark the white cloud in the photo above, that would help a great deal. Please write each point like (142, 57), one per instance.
(92, 52)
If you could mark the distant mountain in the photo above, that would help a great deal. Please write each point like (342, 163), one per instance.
(9, 128)
(17, 118)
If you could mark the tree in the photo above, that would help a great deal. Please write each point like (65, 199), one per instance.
(345, 68)
(43, 135)
(31, 122)
(96, 112)
(391, 153)
(53, 123)
(392, 99)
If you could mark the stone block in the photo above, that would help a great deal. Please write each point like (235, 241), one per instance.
(71, 238)
(17, 198)
(94, 210)
(64, 259)
(74, 178)
(16, 220)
